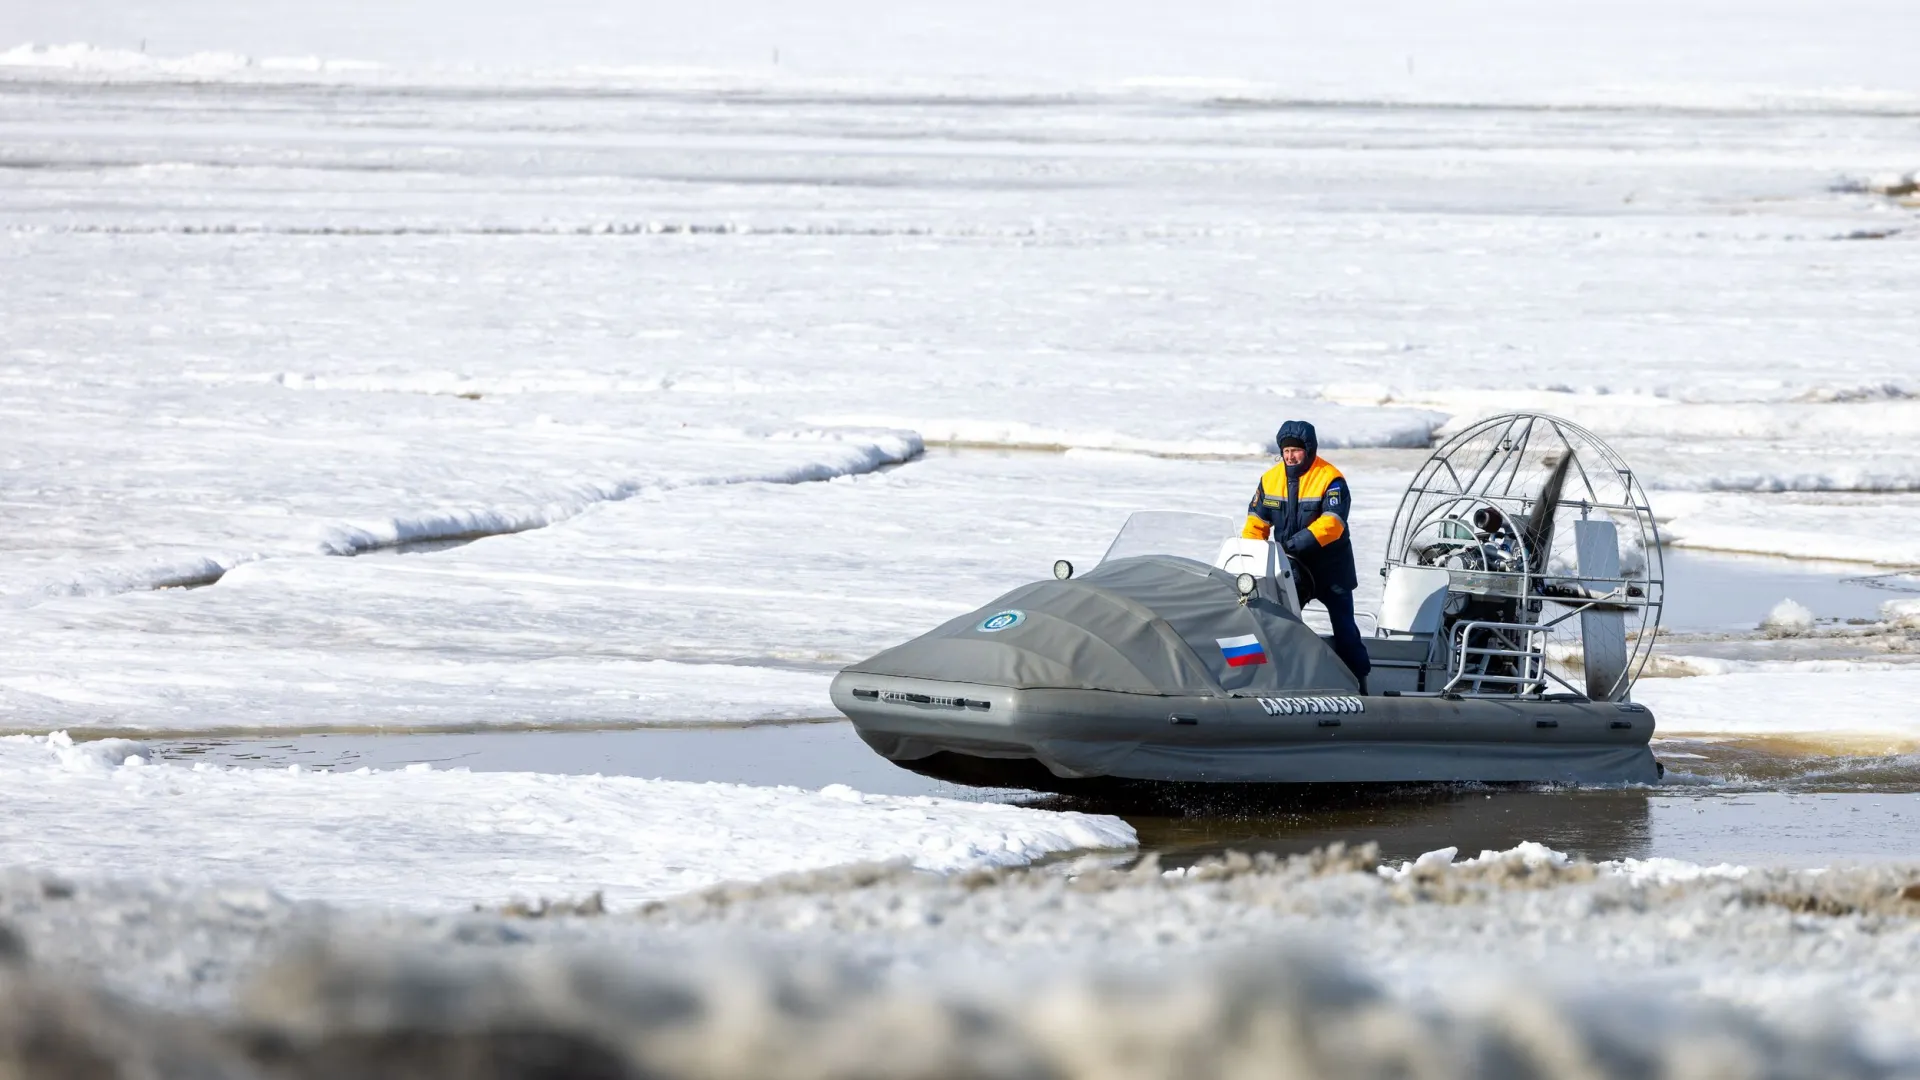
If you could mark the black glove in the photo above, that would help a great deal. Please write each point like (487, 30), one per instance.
(1301, 543)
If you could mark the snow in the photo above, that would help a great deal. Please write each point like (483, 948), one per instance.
(1654, 871)
(1526, 853)
(1430, 860)
(674, 606)
(1345, 427)
(1875, 700)
(1661, 871)
(1870, 528)
(426, 839)
(1787, 619)
(734, 368)
(1726, 982)
(1394, 50)
(151, 497)
(1784, 437)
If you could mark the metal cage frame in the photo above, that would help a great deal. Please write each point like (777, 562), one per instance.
(1480, 466)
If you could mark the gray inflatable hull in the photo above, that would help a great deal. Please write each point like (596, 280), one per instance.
(1031, 738)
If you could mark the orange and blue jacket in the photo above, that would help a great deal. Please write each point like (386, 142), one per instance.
(1308, 517)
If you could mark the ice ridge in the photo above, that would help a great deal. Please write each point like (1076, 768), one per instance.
(838, 454)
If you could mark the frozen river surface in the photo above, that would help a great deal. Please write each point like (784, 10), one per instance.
(1813, 811)
(419, 393)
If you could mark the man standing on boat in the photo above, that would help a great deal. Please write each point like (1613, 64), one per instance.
(1302, 504)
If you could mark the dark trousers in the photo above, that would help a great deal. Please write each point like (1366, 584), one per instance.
(1347, 642)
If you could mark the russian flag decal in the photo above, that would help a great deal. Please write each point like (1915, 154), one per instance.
(1241, 651)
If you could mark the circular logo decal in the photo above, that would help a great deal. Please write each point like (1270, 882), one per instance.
(1000, 621)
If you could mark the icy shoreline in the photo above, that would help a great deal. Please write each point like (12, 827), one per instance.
(419, 837)
(1811, 973)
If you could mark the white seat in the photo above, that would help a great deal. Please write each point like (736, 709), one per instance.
(1415, 600)
(1262, 559)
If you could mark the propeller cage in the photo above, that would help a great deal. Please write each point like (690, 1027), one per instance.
(1555, 578)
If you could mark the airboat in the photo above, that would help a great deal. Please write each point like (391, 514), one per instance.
(1521, 596)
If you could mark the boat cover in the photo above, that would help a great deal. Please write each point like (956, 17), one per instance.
(1153, 624)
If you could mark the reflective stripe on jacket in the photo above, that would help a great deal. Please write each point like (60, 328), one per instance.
(1309, 519)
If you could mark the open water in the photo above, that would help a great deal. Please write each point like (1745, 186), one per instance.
(1751, 801)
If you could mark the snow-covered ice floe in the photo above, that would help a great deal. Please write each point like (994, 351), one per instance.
(1904, 614)
(252, 486)
(1164, 421)
(698, 604)
(1532, 856)
(1864, 699)
(1866, 527)
(428, 839)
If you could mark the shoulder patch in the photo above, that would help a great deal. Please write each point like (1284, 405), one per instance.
(1318, 479)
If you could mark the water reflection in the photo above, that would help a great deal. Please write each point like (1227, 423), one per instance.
(1405, 821)
(807, 755)
(1754, 801)
(1186, 824)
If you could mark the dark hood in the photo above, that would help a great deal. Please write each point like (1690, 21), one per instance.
(1299, 429)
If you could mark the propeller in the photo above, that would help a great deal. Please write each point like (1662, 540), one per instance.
(1538, 531)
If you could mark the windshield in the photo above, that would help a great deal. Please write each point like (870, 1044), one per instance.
(1171, 532)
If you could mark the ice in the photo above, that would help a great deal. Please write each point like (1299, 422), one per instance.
(82, 57)
(1902, 613)
(1429, 860)
(1858, 699)
(1386, 50)
(1527, 853)
(731, 1014)
(1787, 619)
(1655, 871)
(1784, 437)
(430, 839)
(730, 336)
(150, 498)
(1868, 528)
(1681, 665)
(1791, 945)
(97, 755)
(358, 1004)
(441, 337)
(675, 607)
(1150, 428)
(1780, 949)
(824, 455)
(1661, 871)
